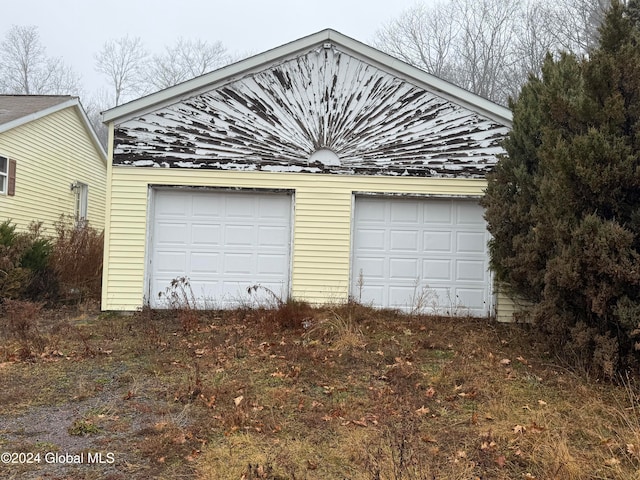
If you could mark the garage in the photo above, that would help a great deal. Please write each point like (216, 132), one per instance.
(387, 163)
(223, 241)
(424, 253)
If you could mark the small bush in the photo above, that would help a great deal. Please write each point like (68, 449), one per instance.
(24, 257)
(179, 296)
(76, 260)
(291, 315)
(19, 320)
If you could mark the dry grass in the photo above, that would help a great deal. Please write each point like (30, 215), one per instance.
(337, 393)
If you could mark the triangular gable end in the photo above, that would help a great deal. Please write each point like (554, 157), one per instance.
(51, 104)
(328, 98)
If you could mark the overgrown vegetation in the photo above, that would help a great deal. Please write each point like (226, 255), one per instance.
(67, 267)
(342, 392)
(37, 272)
(564, 206)
(76, 261)
(23, 262)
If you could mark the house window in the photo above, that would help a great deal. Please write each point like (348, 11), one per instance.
(4, 174)
(82, 199)
(7, 176)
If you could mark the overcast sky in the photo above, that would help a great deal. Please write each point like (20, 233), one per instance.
(76, 29)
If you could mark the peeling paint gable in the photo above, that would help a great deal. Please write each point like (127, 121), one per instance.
(274, 120)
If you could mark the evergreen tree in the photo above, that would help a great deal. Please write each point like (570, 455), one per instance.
(564, 206)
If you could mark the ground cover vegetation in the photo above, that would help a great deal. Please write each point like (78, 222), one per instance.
(51, 269)
(347, 392)
(564, 205)
(294, 392)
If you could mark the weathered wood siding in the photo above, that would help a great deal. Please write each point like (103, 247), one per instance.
(273, 120)
(51, 153)
(322, 223)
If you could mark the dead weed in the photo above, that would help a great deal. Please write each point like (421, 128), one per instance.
(339, 392)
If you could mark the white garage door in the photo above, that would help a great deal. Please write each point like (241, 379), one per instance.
(427, 254)
(222, 241)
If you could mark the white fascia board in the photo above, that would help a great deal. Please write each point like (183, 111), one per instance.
(211, 80)
(427, 81)
(383, 60)
(91, 131)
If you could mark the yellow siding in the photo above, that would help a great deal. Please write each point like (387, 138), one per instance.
(51, 153)
(509, 308)
(321, 223)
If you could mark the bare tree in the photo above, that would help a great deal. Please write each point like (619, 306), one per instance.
(574, 23)
(94, 106)
(491, 46)
(26, 69)
(424, 37)
(484, 44)
(123, 62)
(531, 40)
(467, 42)
(186, 59)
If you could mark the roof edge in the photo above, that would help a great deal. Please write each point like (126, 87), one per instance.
(492, 110)
(73, 102)
(92, 132)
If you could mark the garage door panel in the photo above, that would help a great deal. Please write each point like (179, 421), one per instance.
(371, 267)
(406, 213)
(431, 251)
(177, 206)
(271, 264)
(206, 206)
(438, 212)
(233, 291)
(204, 291)
(206, 235)
(372, 239)
(369, 212)
(406, 240)
(169, 261)
(370, 293)
(403, 268)
(438, 241)
(223, 242)
(471, 270)
(241, 207)
(470, 296)
(469, 214)
(205, 262)
(272, 236)
(172, 233)
(401, 296)
(437, 269)
(275, 207)
(238, 263)
(471, 242)
(239, 235)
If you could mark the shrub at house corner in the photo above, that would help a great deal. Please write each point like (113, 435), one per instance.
(564, 207)
(67, 267)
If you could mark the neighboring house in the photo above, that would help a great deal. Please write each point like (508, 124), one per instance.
(323, 170)
(51, 162)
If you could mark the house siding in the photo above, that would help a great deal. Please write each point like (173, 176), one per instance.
(322, 223)
(510, 308)
(51, 153)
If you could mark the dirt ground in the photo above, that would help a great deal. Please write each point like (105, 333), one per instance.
(342, 392)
